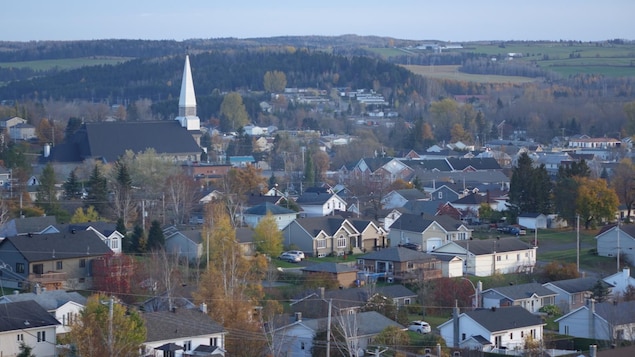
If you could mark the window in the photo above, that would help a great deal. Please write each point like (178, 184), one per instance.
(213, 341)
(58, 265)
(411, 265)
(41, 336)
(406, 301)
(82, 263)
(187, 345)
(114, 243)
(498, 341)
(498, 258)
(321, 243)
(522, 334)
(517, 257)
(19, 267)
(20, 337)
(566, 329)
(511, 335)
(440, 195)
(506, 256)
(462, 236)
(38, 268)
(463, 337)
(341, 242)
(302, 345)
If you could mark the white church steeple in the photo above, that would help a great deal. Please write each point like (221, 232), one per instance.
(187, 100)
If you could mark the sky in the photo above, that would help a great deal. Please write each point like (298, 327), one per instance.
(443, 20)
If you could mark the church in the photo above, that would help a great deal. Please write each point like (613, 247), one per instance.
(176, 140)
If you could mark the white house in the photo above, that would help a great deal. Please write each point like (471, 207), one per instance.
(398, 198)
(64, 305)
(621, 281)
(27, 322)
(612, 238)
(451, 265)
(315, 204)
(191, 329)
(491, 329)
(489, 256)
(531, 296)
(533, 220)
(604, 321)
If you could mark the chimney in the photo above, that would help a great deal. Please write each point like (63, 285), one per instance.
(203, 308)
(455, 321)
(591, 306)
(37, 288)
(593, 350)
(298, 316)
(321, 289)
(47, 150)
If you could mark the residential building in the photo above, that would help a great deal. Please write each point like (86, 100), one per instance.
(282, 216)
(184, 243)
(320, 204)
(492, 330)
(32, 225)
(492, 256)
(321, 236)
(401, 264)
(344, 274)
(613, 238)
(573, 293)
(532, 220)
(531, 296)
(106, 231)
(398, 198)
(55, 260)
(29, 323)
(429, 232)
(190, 329)
(608, 321)
(621, 281)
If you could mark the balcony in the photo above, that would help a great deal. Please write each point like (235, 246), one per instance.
(49, 280)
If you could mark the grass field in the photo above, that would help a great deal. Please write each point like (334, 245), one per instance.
(452, 73)
(64, 64)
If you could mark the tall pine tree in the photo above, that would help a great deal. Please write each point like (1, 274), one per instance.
(98, 191)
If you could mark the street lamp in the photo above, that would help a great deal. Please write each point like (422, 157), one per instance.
(476, 292)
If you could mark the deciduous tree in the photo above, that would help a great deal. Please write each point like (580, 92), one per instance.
(623, 182)
(233, 112)
(268, 237)
(275, 81)
(89, 215)
(595, 201)
(92, 334)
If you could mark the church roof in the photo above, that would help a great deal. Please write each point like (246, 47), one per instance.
(187, 97)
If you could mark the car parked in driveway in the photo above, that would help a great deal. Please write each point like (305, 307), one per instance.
(299, 253)
(419, 327)
(291, 258)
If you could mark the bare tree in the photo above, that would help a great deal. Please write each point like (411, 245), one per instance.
(180, 190)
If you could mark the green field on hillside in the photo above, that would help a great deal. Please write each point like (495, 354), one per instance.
(64, 64)
(452, 73)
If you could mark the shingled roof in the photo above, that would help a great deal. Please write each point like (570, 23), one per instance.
(268, 207)
(24, 314)
(488, 246)
(523, 291)
(329, 224)
(95, 140)
(179, 323)
(501, 319)
(419, 223)
(44, 247)
(397, 254)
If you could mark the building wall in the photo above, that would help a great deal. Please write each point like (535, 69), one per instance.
(148, 347)
(607, 245)
(10, 346)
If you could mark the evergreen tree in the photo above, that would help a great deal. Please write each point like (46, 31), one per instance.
(566, 189)
(138, 242)
(98, 190)
(72, 187)
(126, 243)
(25, 350)
(530, 188)
(72, 126)
(156, 239)
(46, 196)
(600, 291)
(309, 169)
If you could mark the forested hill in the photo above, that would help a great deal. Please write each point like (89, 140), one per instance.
(160, 78)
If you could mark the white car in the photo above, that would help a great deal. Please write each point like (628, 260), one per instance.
(291, 258)
(298, 253)
(419, 327)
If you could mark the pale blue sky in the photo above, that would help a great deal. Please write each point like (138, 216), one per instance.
(446, 20)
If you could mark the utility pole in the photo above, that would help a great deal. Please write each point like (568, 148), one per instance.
(328, 331)
(618, 246)
(577, 247)
(110, 317)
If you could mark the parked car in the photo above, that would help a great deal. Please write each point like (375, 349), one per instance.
(291, 258)
(299, 253)
(419, 327)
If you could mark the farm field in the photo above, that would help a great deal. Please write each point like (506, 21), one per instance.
(452, 73)
(64, 64)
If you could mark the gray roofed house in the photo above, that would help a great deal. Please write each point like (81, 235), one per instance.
(321, 236)
(315, 304)
(296, 338)
(64, 305)
(55, 260)
(107, 231)
(186, 243)
(401, 264)
(531, 296)
(28, 322)
(345, 274)
(94, 140)
(608, 321)
(398, 198)
(283, 216)
(485, 257)
(25, 225)
(504, 328)
(320, 204)
(181, 325)
(245, 237)
(473, 164)
(427, 231)
(572, 293)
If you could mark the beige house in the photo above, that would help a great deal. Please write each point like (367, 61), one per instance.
(321, 236)
(426, 231)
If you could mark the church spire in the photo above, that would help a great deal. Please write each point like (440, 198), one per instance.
(187, 100)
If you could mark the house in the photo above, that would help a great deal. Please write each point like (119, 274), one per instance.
(320, 204)
(344, 274)
(371, 235)
(54, 260)
(443, 193)
(608, 321)
(245, 238)
(451, 265)
(186, 243)
(429, 232)
(398, 198)
(531, 296)
(282, 216)
(296, 338)
(315, 304)
(191, 329)
(22, 131)
(179, 297)
(65, 306)
(29, 323)
(573, 293)
(492, 330)
(487, 257)
(105, 230)
(321, 236)
(401, 264)
(26, 225)
(613, 237)
(380, 171)
(621, 281)
(532, 220)
(7, 123)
